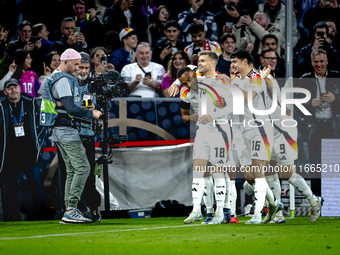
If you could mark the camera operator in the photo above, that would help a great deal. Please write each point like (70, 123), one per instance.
(320, 42)
(90, 198)
(58, 103)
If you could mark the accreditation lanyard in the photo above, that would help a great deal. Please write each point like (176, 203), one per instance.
(18, 126)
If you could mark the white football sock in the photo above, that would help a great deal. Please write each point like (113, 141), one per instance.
(274, 184)
(197, 191)
(260, 190)
(233, 197)
(208, 196)
(219, 191)
(300, 185)
(227, 191)
(269, 195)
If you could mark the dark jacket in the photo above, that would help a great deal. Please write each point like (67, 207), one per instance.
(160, 45)
(333, 86)
(222, 17)
(115, 20)
(223, 66)
(304, 61)
(92, 30)
(48, 46)
(318, 14)
(37, 134)
(62, 45)
(37, 55)
(280, 69)
(119, 58)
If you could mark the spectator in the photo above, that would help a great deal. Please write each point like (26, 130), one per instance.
(177, 61)
(231, 13)
(333, 38)
(124, 14)
(52, 63)
(156, 28)
(323, 11)
(168, 45)
(70, 39)
(40, 30)
(320, 33)
(276, 12)
(86, 19)
(143, 77)
(269, 58)
(126, 54)
(99, 58)
(3, 40)
(228, 44)
(32, 45)
(324, 104)
(19, 70)
(300, 9)
(23, 139)
(270, 41)
(100, 9)
(197, 15)
(200, 43)
(111, 41)
(254, 31)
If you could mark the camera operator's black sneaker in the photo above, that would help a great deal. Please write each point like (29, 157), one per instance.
(96, 216)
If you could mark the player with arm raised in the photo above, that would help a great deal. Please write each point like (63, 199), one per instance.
(284, 152)
(257, 133)
(211, 146)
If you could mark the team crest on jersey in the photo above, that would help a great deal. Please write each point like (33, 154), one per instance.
(184, 92)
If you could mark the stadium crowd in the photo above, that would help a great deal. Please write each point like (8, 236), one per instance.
(147, 42)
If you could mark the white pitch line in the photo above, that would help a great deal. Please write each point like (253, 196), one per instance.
(96, 232)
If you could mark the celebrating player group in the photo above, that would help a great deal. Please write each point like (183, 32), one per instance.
(247, 142)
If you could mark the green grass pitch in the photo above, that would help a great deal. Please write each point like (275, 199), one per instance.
(170, 236)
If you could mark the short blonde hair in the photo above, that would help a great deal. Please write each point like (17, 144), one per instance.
(212, 55)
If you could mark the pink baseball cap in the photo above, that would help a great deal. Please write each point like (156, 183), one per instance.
(70, 54)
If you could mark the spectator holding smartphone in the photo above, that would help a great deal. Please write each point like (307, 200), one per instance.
(71, 37)
(30, 44)
(320, 33)
(168, 45)
(324, 104)
(144, 77)
(231, 13)
(40, 30)
(99, 58)
(89, 23)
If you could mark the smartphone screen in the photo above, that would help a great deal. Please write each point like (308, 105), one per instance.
(148, 75)
(76, 29)
(320, 34)
(33, 39)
